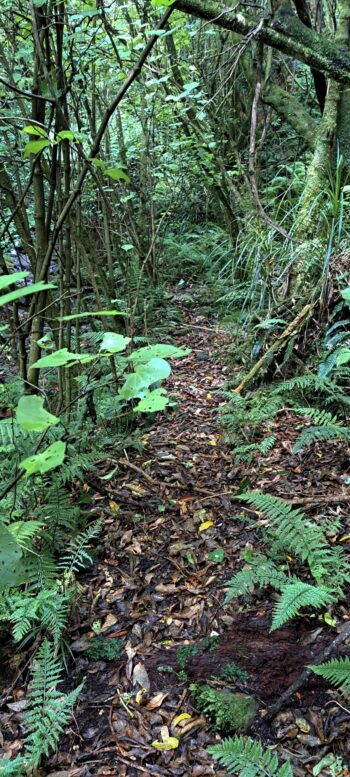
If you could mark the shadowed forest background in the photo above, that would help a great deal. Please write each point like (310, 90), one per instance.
(174, 404)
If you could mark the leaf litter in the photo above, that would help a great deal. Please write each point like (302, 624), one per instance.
(172, 537)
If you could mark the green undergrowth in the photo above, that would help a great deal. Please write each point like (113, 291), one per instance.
(105, 649)
(226, 711)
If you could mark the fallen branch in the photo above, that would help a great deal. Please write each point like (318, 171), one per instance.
(292, 328)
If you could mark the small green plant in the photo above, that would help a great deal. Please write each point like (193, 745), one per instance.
(210, 643)
(165, 669)
(104, 649)
(183, 654)
(232, 672)
(226, 711)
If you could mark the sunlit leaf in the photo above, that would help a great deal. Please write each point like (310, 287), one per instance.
(117, 174)
(154, 401)
(6, 280)
(31, 414)
(34, 130)
(59, 359)
(161, 350)
(65, 135)
(34, 288)
(92, 313)
(34, 146)
(113, 342)
(52, 457)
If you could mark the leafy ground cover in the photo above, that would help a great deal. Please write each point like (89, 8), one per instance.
(150, 627)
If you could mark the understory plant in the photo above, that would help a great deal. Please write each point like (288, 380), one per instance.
(47, 520)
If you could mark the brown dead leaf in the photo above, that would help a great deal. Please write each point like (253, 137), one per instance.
(156, 701)
(140, 676)
(109, 621)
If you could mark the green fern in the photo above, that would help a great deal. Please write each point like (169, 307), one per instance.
(246, 757)
(77, 555)
(327, 427)
(261, 572)
(12, 768)
(49, 710)
(296, 595)
(294, 534)
(336, 671)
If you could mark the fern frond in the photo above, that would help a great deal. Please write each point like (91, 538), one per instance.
(292, 532)
(336, 671)
(49, 711)
(261, 572)
(12, 768)
(247, 757)
(296, 595)
(320, 434)
(77, 555)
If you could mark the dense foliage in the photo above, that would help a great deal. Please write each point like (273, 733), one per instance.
(151, 152)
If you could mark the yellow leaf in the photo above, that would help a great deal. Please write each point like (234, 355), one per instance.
(212, 442)
(179, 718)
(206, 525)
(344, 538)
(86, 487)
(113, 506)
(171, 743)
(209, 396)
(327, 618)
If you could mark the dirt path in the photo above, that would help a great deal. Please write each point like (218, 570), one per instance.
(171, 540)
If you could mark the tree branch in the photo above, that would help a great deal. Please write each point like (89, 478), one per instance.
(285, 32)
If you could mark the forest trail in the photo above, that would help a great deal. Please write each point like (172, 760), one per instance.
(170, 542)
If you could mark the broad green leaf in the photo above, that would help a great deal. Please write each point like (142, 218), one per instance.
(156, 369)
(10, 558)
(32, 416)
(97, 162)
(154, 401)
(59, 359)
(117, 174)
(161, 350)
(6, 280)
(145, 374)
(133, 388)
(92, 313)
(114, 343)
(65, 135)
(33, 130)
(346, 293)
(34, 146)
(24, 291)
(52, 457)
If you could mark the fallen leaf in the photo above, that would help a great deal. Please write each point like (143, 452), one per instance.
(110, 621)
(171, 743)
(179, 718)
(206, 525)
(156, 701)
(140, 676)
